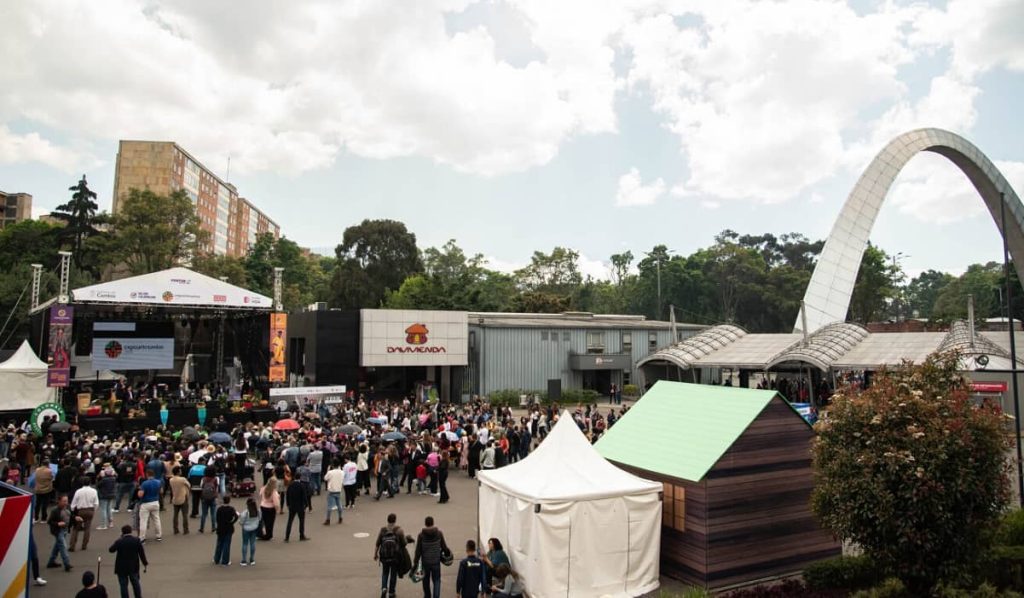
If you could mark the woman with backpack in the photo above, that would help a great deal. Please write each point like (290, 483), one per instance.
(250, 522)
(209, 490)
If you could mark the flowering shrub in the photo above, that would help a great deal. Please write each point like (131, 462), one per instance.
(914, 472)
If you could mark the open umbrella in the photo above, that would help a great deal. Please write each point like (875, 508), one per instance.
(287, 424)
(380, 421)
(60, 427)
(220, 438)
(350, 429)
(449, 435)
(189, 433)
(393, 437)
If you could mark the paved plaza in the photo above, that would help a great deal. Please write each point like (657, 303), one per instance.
(334, 562)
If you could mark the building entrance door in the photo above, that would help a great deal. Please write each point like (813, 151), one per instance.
(599, 380)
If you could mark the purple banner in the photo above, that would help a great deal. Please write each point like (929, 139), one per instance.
(59, 354)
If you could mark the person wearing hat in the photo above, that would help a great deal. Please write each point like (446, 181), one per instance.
(91, 589)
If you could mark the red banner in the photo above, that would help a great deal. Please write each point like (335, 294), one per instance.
(988, 386)
(59, 354)
(278, 347)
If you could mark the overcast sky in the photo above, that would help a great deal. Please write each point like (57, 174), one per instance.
(514, 125)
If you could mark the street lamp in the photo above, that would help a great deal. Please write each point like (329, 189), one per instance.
(658, 256)
(1013, 345)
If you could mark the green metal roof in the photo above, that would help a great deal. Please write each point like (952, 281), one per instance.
(681, 430)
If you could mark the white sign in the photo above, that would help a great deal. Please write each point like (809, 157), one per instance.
(401, 337)
(120, 353)
(176, 286)
(330, 395)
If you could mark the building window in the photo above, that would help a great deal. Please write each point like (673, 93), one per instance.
(595, 342)
(565, 336)
(543, 335)
(673, 507)
(627, 342)
(626, 377)
(554, 335)
(652, 341)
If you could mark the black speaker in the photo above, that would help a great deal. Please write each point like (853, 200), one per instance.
(555, 389)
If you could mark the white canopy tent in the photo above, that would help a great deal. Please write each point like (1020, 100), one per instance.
(173, 287)
(23, 378)
(572, 523)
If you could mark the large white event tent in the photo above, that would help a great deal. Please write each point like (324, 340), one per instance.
(572, 523)
(23, 378)
(172, 287)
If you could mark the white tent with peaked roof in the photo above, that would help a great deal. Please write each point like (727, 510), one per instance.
(572, 523)
(173, 287)
(23, 378)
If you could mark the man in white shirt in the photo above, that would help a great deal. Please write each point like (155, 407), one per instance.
(483, 434)
(333, 480)
(83, 505)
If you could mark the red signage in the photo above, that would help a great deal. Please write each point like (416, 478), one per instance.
(988, 386)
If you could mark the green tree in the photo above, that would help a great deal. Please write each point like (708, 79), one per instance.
(453, 280)
(374, 257)
(923, 291)
(29, 242)
(913, 471)
(303, 280)
(230, 268)
(154, 232)
(875, 286)
(983, 281)
(79, 216)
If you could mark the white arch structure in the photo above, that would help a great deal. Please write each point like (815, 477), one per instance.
(827, 298)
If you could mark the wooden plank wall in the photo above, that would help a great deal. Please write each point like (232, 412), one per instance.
(683, 554)
(759, 518)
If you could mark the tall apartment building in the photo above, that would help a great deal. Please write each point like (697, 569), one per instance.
(16, 206)
(163, 166)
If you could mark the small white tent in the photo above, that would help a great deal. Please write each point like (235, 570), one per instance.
(23, 378)
(572, 523)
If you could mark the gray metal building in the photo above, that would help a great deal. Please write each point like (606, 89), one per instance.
(579, 350)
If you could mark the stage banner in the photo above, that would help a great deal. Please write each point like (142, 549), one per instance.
(126, 353)
(278, 345)
(59, 356)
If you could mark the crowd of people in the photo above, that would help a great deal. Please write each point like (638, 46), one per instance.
(356, 450)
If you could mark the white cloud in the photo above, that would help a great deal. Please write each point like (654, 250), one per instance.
(934, 190)
(500, 265)
(632, 191)
(596, 269)
(984, 34)
(285, 87)
(31, 147)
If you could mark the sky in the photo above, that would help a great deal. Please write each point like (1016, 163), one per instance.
(520, 125)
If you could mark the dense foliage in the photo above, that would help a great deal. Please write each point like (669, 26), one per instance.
(914, 472)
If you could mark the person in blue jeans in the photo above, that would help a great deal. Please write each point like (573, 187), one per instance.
(208, 493)
(226, 518)
(250, 522)
(430, 545)
(389, 551)
(60, 520)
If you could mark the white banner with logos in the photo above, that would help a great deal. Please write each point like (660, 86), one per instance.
(330, 395)
(121, 353)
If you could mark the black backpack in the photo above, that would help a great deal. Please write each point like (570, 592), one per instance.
(389, 548)
(210, 489)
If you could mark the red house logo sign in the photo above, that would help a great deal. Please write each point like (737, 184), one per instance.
(416, 334)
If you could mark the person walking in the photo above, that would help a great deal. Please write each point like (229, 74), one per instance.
(442, 477)
(106, 490)
(33, 558)
(91, 589)
(44, 489)
(83, 507)
(315, 463)
(350, 481)
(250, 523)
(382, 467)
(270, 502)
(295, 498)
(430, 546)
(130, 553)
(125, 470)
(472, 578)
(180, 489)
(149, 506)
(195, 479)
(387, 551)
(363, 467)
(226, 518)
(208, 495)
(334, 482)
(59, 519)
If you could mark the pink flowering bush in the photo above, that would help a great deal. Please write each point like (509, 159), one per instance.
(914, 472)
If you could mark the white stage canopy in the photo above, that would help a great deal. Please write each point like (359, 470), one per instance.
(23, 378)
(572, 523)
(173, 287)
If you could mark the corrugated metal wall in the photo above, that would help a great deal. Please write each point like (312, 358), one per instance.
(526, 358)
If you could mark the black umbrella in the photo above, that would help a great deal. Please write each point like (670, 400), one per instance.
(60, 427)
(189, 432)
(350, 429)
(393, 436)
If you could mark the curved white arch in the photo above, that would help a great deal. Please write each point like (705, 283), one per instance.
(827, 298)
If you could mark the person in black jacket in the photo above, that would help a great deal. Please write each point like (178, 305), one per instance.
(129, 552)
(226, 518)
(296, 499)
(429, 547)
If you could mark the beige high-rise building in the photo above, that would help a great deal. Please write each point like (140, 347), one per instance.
(16, 206)
(163, 166)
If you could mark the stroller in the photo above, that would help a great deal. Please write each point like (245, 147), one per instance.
(244, 488)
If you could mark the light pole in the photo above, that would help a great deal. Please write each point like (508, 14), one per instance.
(896, 259)
(1013, 346)
(658, 256)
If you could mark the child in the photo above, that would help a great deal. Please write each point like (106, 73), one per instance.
(421, 478)
(472, 579)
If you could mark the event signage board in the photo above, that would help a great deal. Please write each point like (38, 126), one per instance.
(401, 337)
(58, 374)
(124, 346)
(278, 347)
(330, 395)
(173, 287)
(988, 386)
(40, 413)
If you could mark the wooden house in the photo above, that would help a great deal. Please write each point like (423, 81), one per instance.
(735, 465)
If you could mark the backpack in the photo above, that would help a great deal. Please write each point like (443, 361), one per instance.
(210, 489)
(389, 548)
